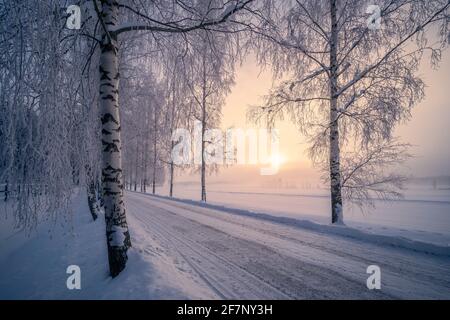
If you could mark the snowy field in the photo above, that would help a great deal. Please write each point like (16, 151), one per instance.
(183, 250)
(423, 214)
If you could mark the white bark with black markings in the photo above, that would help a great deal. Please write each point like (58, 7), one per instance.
(118, 237)
(335, 170)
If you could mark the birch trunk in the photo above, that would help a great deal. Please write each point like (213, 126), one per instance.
(145, 178)
(6, 191)
(203, 169)
(118, 237)
(145, 157)
(155, 123)
(136, 164)
(203, 174)
(172, 128)
(92, 199)
(171, 172)
(335, 174)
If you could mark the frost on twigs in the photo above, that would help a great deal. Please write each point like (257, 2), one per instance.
(346, 86)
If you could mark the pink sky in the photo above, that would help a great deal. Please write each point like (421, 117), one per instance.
(428, 129)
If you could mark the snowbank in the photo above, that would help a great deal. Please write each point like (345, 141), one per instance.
(34, 266)
(341, 230)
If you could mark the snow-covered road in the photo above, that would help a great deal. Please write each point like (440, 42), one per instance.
(238, 257)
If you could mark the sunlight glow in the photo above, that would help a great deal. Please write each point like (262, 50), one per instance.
(277, 160)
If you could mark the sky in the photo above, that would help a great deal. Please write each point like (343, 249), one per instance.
(428, 130)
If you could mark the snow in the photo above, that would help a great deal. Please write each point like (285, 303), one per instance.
(34, 266)
(340, 220)
(117, 236)
(229, 9)
(185, 249)
(335, 229)
(423, 215)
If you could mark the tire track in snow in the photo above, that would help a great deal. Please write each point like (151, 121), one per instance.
(213, 279)
(401, 264)
(239, 268)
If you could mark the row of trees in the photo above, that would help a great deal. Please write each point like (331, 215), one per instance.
(67, 120)
(188, 88)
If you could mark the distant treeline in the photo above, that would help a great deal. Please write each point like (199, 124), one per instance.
(440, 181)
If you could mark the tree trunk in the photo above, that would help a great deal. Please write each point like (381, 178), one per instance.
(203, 173)
(172, 127)
(154, 182)
(335, 174)
(6, 191)
(146, 147)
(136, 165)
(154, 150)
(99, 192)
(92, 192)
(171, 173)
(118, 236)
(92, 199)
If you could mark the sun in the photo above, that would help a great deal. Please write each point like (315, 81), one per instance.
(277, 160)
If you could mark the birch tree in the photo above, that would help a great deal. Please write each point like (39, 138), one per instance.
(159, 16)
(211, 76)
(177, 110)
(41, 74)
(348, 77)
(41, 92)
(141, 93)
